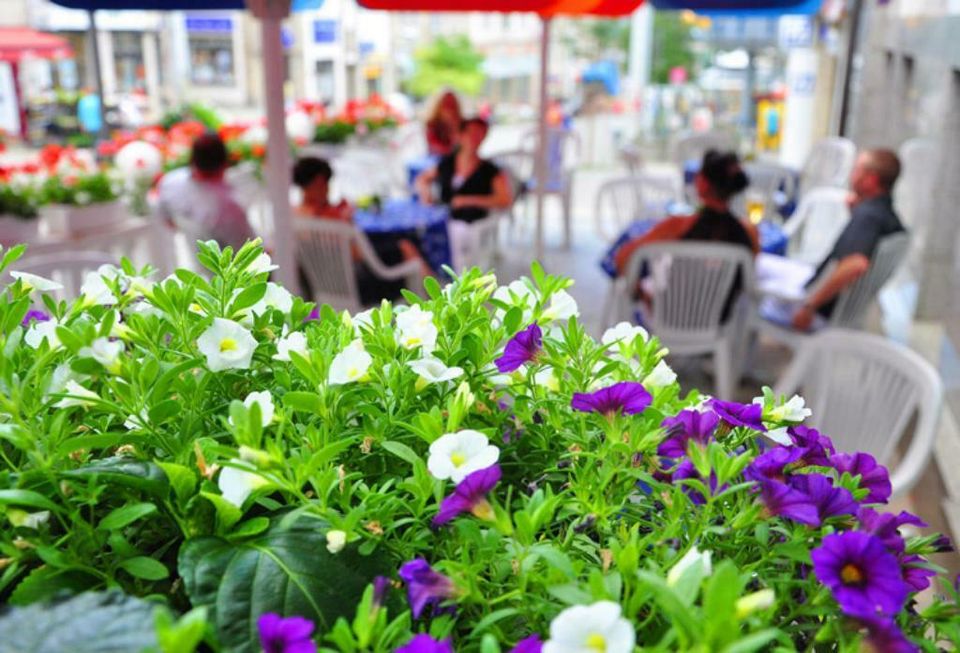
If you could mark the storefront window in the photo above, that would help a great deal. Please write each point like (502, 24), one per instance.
(128, 61)
(325, 83)
(211, 59)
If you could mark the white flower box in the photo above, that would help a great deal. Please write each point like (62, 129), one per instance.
(14, 230)
(74, 221)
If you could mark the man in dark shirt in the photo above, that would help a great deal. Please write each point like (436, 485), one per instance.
(871, 219)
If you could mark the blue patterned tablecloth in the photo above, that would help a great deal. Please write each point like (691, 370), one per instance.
(417, 166)
(424, 225)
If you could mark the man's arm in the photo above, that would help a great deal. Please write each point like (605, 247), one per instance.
(849, 269)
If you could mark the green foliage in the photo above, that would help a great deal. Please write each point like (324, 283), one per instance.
(672, 45)
(78, 190)
(18, 201)
(447, 63)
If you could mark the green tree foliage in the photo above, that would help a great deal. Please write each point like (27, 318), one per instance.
(671, 45)
(447, 63)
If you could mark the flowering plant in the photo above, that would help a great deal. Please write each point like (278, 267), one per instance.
(472, 472)
(18, 200)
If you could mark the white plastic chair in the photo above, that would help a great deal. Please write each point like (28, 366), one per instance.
(815, 226)
(623, 200)
(518, 166)
(559, 174)
(770, 183)
(68, 268)
(689, 284)
(325, 254)
(631, 157)
(863, 389)
(829, 164)
(692, 147)
(473, 244)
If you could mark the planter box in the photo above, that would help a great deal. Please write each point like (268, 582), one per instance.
(14, 230)
(77, 221)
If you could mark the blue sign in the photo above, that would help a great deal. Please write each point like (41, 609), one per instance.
(324, 31)
(796, 32)
(286, 37)
(209, 24)
(756, 30)
(365, 48)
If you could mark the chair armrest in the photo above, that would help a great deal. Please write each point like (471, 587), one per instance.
(381, 270)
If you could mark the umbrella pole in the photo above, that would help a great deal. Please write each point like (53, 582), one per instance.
(94, 35)
(540, 163)
(277, 165)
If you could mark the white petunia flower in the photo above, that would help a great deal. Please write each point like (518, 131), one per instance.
(350, 365)
(517, 293)
(227, 345)
(238, 484)
(780, 436)
(23, 519)
(276, 297)
(456, 455)
(690, 559)
(336, 540)
(794, 410)
(295, 341)
(33, 282)
(362, 320)
(433, 370)
(661, 375)
(144, 308)
(262, 264)
(81, 396)
(40, 330)
(265, 401)
(759, 600)
(625, 333)
(597, 628)
(104, 351)
(58, 380)
(562, 307)
(416, 329)
(95, 289)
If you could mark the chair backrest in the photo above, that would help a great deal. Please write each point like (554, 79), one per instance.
(689, 285)
(863, 389)
(852, 304)
(324, 254)
(829, 164)
(617, 205)
(563, 152)
(474, 243)
(631, 157)
(518, 164)
(692, 147)
(816, 224)
(67, 267)
(770, 183)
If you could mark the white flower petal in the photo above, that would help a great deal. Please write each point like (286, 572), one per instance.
(350, 365)
(39, 331)
(265, 401)
(237, 484)
(456, 455)
(661, 375)
(562, 306)
(227, 345)
(294, 342)
(35, 282)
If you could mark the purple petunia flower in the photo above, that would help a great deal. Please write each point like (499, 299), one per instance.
(470, 496)
(873, 477)
(686, 469)
(885, 526)
(817, 448)
(381, 585)
(34, 315)
(771, 465)
(629, 397)
(423, 643)
(942, 544)
(523, 348)
(425, 586)
(830, 501)
(781, 500)
(314, 314)
(918, 578)
(530, 644)
(687, 425)
(884, 636)
(290, 635)
(735, 414)
(863, 576)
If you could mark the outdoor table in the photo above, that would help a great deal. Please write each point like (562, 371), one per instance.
(423, 224)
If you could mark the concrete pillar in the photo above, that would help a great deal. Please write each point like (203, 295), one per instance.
(798, 128)
(151, 67)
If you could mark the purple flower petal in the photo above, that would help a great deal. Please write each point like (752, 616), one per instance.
(829, 500)
(885, 526)
(817, 448)
(771, 465)
(783, 501)
(530, 644)
(425, 587)
(686, 469)
(863, 576)
(628, 397)
(736, 414)
(469, 494)
(885, 636)
(918, 578)
(423, 643)
(873, 477)
(285, 635)
(34, 315)
(686, 426)
(522, 348)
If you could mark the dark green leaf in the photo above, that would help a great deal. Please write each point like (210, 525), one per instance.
(308, 402)
(126, 515)
(128, 472)
(401, 451)
(27, 498)
(44, 583)
(145, 568)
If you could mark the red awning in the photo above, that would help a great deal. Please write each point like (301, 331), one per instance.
(542, 7)
(19, 42)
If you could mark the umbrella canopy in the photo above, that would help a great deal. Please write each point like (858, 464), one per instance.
(19, 42)
(174, 5)
(742, 7)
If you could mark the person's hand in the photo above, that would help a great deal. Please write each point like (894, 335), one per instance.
(803, 318)
(852, 199)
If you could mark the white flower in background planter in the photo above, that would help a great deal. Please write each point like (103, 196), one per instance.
(144, 308)
(416, 329)
(624, 333)
(263, 263)
(362, 320)
(139, 160)
(58, 380)
(794, 410)
(80, 396)
(137, 422)
(299, 126)
(598, 628)
(237, 484)
(34, 282)
(265, 400)
(39, 331)
(104, 351)
(691, 558)
(350, 365)
(276, 297)
(256, 135)
(95, 289)
(456, 455)
(291, 342)
(562, 307)
(433, 370)
(23, 519)
(547, 378)
(661, 375)
(336, 540)
(227, 346)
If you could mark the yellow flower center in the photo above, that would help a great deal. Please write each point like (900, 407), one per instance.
(483, 510)
(597, 642)
(413, 340)
(353, 373)
(228, 344)
(457, 459)
(851, 575)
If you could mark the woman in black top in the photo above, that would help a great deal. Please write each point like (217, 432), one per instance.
(469, 185)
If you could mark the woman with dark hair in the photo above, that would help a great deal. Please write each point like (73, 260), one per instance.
(719, 180)
(312, 175)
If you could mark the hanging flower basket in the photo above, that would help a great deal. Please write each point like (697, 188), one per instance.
(68, 221)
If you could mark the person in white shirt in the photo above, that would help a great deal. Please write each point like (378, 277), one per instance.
(198, 201)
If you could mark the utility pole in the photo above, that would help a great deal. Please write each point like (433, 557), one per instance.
(853, 44)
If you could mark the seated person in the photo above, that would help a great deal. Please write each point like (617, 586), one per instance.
(199, 201)
(469, 185)
(871, 218)
(443, 125)
(312, 175)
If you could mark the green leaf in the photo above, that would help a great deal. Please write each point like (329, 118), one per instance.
(164, 410)
(248, 297)
(184, 635)
(182, 479)
(145, 568)
(93, 622)
(27, 498)
(44, 583)
(227, 513)
(287, 570)
(126, 515)
(307, 402)
(137, 474)
(402, 451)
(753, 642)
